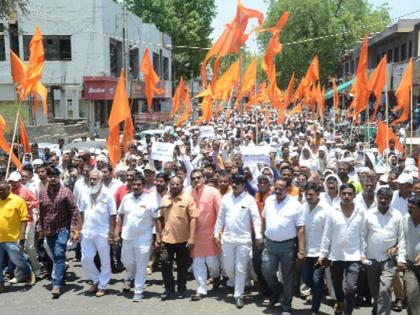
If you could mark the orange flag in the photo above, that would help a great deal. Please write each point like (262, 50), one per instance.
(232, 38)
(187, 111)
(296, 110)
(376, 84)
(228, 80)
(128, 134)
(151, 79)
(24, 140)
(336, 100)
(249, 79)
(403, 94)
(361, 96)
(321, 103)
(19, 71)
(5, 146)
(312, 74)
(120, 112)
(178, 97)
(382, 137)
(206, 109)
(289, 93)
(300, 90)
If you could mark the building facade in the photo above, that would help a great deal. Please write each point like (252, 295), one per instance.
(87, 43)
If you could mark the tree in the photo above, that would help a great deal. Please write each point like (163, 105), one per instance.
(8, 7)
(188, 22)
(310, 19)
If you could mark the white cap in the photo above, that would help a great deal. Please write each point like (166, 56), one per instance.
(37, 162)
(405, 178)
(14, 176)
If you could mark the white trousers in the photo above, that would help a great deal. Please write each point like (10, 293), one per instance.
(89, 248)
(30, 248)
(235, 262)
(200, 265)
(135, 257)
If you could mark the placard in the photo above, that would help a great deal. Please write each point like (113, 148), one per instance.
(162, 151)
(253, 155)
(207, 132)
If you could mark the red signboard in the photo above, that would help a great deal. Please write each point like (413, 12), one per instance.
(157, 117)
(99, 88)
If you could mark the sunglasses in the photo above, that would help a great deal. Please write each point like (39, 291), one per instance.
(196, 178)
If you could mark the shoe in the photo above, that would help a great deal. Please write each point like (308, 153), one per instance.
(93, 289)
(100, 293)
(30, 280)
(198, 297)
(339, 308)
(239, 302)
(216, 283)
(126, 286)
(273, 300)
(308, 299)
(138, 297)
(14, 280)
(167, 295)
(182, 293)
(397, 305)
(55, 292)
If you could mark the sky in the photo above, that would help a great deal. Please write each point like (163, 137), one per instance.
(226, 10)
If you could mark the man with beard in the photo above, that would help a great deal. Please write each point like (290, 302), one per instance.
(343, 170)
(175, 235)
(96, 222)
(205, 252)
(137, 215)
(57, 214)
(237, 215)
(286, 173)
(224, 182)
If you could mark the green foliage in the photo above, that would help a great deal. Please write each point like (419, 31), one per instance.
(8, 7)
(188, 22)
(316, 18)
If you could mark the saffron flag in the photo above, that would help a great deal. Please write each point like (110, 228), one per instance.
(120, 112)
(128, 134)
(383, 136)
(296, 110)
(228, 80)
(376, 83)
(289, 93)
(178, 97)
(403, 94)
(187, 111)
(151, 79)
(5, 146)
(232, 38)
(361, 96)
(24, 139)
(336, 100)
(312, 74)
(249, 79)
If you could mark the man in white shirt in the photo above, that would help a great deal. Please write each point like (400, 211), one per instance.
(238, 214)
(314, 214)
(137, 216)
(342, 244)
(282, 223)
(383, 238)
(108, 180)
(97, 219)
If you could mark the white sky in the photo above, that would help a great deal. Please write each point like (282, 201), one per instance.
(226, 10)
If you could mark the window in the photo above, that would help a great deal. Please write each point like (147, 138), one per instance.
(156, 63)
(403, 52)
(14, 38)
(56, 47)
(115, 56)
(165, 68)
(389, 55)
(396, 54)
(410, 47)
(134, 62)
(2, 48)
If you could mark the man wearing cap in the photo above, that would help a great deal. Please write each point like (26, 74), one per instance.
(57, 215)
(15, 181)
(13, 218)
(96, 222)
(149, 176)
(237, 215)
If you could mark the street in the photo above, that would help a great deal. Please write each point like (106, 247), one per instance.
(19, 299)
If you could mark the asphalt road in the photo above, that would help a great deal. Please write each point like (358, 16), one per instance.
(19, 299)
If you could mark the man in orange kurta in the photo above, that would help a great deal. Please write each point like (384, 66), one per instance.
(205, 252)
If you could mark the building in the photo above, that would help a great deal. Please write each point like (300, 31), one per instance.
(86, 43)
(399, 42)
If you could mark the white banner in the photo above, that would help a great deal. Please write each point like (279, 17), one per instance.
(207, 132)
(254, 155)
(162, 151)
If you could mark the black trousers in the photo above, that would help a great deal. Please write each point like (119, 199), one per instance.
(180, 253)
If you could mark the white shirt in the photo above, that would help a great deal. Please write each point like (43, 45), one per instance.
(342, 236)
(361, 203)
(139, 215)
(332, 202)
(399, 203)
(96, 213)
(114, 185)
(235, 216)
(382, 231)
(79, 187)
(281, 219)
(34, 185)
(314, 226)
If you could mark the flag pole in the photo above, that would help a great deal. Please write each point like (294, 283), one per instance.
(241, 105)
(13, 140)
(411, 120)
(387, 120)
(367, 122)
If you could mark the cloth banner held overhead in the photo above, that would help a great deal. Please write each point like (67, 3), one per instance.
(254, 155)
(162, 151)
(207, 132)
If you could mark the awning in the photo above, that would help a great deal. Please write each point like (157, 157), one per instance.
(341, 87)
